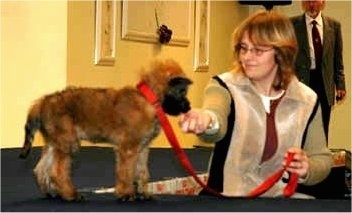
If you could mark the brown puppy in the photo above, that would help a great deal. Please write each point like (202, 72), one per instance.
(121, 117)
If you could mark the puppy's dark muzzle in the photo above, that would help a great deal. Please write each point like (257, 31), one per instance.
(175, 100)
(186, 107)
(175, 107)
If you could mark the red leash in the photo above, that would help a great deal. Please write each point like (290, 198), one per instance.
(268, 183)
(181, 155)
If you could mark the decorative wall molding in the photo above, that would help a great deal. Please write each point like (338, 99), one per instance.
(202, 32)
(105, 32)
(139, 20)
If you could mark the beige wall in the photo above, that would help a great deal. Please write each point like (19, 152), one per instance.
(33, 60)
(49, 44)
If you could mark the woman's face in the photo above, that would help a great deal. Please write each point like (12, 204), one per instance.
(258, 62)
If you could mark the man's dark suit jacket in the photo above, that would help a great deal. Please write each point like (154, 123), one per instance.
(332, 62)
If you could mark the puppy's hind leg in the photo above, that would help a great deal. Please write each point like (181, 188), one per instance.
(42, 172)
(60, 174)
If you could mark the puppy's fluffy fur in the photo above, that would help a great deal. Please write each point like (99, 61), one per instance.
(122, 117)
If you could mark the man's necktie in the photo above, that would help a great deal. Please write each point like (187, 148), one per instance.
(318, 47)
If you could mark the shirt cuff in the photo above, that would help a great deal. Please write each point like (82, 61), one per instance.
(214, 125)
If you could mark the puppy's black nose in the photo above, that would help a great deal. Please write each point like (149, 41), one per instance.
(187, 107)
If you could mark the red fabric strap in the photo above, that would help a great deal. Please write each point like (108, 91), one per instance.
(290, 188)
(181, 155)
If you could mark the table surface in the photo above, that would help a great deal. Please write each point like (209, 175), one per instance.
(94, 167)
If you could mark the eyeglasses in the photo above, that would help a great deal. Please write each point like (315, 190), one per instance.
(242, 49)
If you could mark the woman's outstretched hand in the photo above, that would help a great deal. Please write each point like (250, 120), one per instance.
(195, 121)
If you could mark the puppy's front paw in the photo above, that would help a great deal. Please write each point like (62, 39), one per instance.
(127, 197)
(49, 195)
(143, 196)
(134, 197)
(78, 197)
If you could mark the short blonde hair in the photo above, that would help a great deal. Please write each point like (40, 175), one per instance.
(270, 28)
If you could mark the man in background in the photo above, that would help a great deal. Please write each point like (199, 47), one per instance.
(319, 61)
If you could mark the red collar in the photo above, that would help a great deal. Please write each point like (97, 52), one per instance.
(147, 92)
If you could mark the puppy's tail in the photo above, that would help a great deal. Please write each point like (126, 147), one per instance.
(33, 123)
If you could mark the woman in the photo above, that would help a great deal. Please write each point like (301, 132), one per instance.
(259, 112)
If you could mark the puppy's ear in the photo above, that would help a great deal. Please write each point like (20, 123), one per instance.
(179, 81)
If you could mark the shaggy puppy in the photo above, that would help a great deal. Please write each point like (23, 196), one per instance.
(121, 117)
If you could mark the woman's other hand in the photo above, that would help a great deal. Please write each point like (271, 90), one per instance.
(299, 164)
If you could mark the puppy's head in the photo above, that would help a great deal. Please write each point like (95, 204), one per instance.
(175, 98)
(170, 84)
